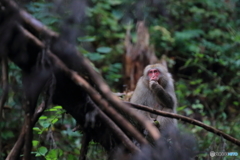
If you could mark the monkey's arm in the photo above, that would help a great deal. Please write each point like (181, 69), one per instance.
(163, 95)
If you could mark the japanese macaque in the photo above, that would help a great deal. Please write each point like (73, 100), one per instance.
(156, 89)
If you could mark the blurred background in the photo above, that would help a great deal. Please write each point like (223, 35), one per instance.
(201, 39)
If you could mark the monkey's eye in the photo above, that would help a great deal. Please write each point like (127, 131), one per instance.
(153, 72)
(150, 71)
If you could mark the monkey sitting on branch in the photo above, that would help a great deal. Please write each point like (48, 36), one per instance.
(156, 89)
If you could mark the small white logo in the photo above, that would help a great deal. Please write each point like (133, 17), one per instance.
(212, 153)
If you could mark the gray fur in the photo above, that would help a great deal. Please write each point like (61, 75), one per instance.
(158, 95)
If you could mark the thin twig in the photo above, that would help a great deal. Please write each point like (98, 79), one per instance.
(4, 83)
(5, 91)
(188, 120)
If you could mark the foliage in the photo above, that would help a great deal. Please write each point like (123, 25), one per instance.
(201, 39)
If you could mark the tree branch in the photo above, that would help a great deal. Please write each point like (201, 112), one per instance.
(85, 64)
(5, 90)
(16, 150)
(188, 120)
(97, 99)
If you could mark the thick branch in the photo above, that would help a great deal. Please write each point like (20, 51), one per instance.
(117, 103)
(188, 120)
(116, 130)
(97, 99)
(101, 102)
(101, 85)
(29, 20)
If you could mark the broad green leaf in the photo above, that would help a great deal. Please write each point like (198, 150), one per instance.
(54, 154)
(41, 151)
(117, 14)
(44, 124)
(43, 117)
(104, 49)
(36, 129)
(95, 56)
(87, 39)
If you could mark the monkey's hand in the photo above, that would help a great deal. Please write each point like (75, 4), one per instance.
(153, 85)
(164, 97)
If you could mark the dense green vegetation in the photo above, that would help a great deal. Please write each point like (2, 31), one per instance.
(201, 39)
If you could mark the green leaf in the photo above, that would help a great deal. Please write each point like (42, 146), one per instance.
(41, 151)
(86, 39)
(54, 120)
(44, 124)
(114, 2)
(117, 14)
(36, 129)
(181, 108)
(70, 157)
(197, 106)
(188, 34)
(7, 134)
(104, 49)
(215, 33)
(58, 107)
(52, 109)
(54, 154)
(43, 117)
(35, 143)
(236, 103)
(188, 111)
(95, 56)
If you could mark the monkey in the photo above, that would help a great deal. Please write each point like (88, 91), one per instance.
(156, 89)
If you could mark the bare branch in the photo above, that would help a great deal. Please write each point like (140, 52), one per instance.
(101, 85)
(5, 90)
(97, 99)
(188, 120)
(4, 83)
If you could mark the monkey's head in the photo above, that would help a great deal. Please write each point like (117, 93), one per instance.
(155, 72)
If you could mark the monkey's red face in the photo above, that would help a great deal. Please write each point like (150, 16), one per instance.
(153, 74)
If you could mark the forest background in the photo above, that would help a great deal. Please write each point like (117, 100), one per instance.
(201, 39)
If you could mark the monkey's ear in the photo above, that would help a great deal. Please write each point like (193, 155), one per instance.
(163, 61)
